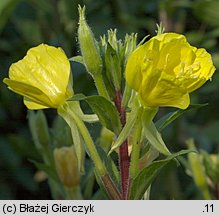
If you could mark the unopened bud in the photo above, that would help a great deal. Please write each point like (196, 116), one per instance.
(130, 45)
(66, 163)
(113, 67)
(88, 45)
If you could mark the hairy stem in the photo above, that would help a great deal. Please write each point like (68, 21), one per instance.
(99, 165)
(111, 188)
(124, 161)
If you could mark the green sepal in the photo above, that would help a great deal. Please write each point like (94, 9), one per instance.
(145, 178)
(77, 97)
(151, 132)
(78, 59)
(77, 140)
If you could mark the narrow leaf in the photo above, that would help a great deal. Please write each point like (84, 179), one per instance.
(101, 185)
(155, 139)
(127, 129)
(78, 59)
(77, 97)
(145, 178)
(106, 111)
(110, 165)
(170, 117)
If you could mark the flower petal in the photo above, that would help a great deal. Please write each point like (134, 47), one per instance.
(45, 74)
(32, 105)
(166, 69)
(29, 92)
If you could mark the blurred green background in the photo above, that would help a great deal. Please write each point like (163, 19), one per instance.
(27, 23)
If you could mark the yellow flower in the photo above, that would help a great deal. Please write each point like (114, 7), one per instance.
(166, 69)
(42, 77)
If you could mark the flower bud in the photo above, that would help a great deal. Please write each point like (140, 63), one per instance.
(67, 166)
(113, 67)
(88, 46)
(130, 45)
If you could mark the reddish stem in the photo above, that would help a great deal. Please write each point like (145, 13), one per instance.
(124, 161)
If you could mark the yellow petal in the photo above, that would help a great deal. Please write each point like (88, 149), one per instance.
(205, 72)
(133, 68)
(166, 69)
(165, 92)
(32, 105)
(45, 75)
(28, 91)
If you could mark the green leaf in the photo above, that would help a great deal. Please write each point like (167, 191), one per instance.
(145, 178)
(151, 133)
(127, 129)
(77, 97)
(50, 171)
(170, 117)
(105, 110)
(110, 166)
(101, 185)
(112, 172)
(78, 59)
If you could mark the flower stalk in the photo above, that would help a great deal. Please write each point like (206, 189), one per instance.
(99, 165)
